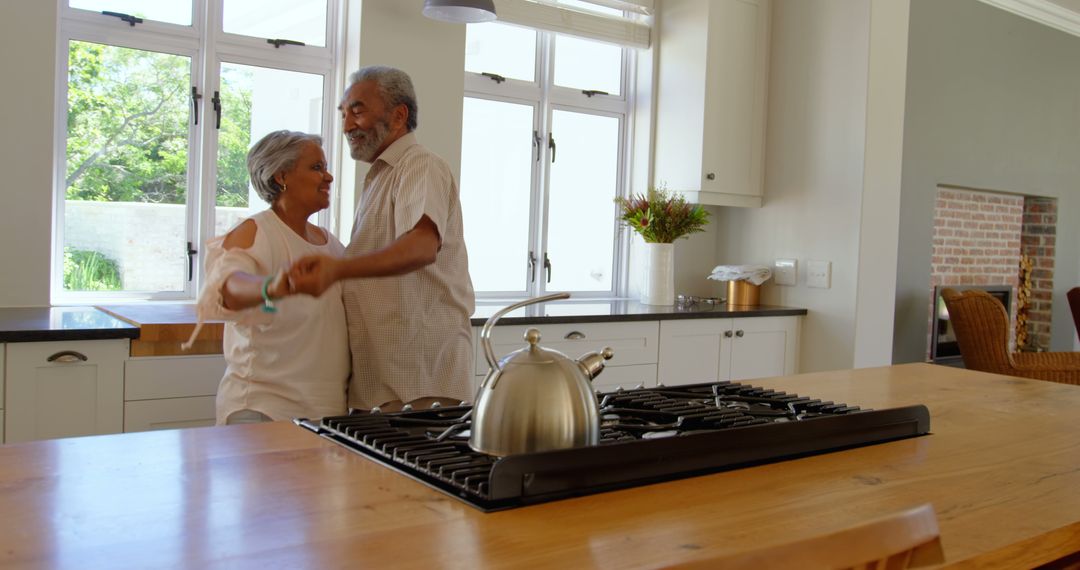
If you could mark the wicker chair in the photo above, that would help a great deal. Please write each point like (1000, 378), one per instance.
(909, 539)
(1074, 304)
(982, 331)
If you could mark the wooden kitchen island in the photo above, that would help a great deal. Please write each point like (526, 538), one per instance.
(1001, 468)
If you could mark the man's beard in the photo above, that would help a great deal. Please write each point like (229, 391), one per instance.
(366, 148)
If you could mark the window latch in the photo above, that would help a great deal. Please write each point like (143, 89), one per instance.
(547, 266)
(551, 146)
(591, 92)
(191, 251)
(532, 267)
(125, 17)
(536, 144)
(277, 43)
(216, 100)
(195, 103)
(494, 77)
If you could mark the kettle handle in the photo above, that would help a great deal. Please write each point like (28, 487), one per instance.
(485, 333)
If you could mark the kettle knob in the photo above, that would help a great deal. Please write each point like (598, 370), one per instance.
(592, 364)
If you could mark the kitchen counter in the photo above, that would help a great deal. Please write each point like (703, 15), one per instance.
(606, 311)
(38, 324)
(166, 325)
(1001, 469)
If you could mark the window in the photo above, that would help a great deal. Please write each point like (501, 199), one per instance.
(160, 103)
(545, 123)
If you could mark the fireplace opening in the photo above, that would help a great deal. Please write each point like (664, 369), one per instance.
(943, 346)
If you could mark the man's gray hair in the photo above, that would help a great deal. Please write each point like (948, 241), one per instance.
(274, 153)
(395, 87)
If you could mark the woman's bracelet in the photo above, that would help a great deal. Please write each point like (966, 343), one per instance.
(268, 303)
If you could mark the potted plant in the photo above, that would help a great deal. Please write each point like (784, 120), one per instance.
(660, 217)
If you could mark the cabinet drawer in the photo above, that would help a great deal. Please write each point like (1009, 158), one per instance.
(633, 342)
(172, 413)
(172, 377)
(615, 377)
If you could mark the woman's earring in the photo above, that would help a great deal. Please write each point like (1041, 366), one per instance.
(284, 187)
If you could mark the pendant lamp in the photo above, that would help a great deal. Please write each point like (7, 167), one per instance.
(460, 11)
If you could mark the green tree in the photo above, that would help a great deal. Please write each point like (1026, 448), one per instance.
(128, 115)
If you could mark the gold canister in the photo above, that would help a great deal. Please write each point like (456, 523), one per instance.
(743, 293)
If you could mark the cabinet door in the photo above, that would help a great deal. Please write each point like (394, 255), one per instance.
(693, 351)
(615, 377)
(763, 347)
(62, 389)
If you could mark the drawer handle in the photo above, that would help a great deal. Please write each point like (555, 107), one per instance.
(738, 333)
(574, 335)
(67, 356)
(727, 334)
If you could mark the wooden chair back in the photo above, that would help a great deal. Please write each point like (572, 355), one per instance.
(982, 330)
(908, 539)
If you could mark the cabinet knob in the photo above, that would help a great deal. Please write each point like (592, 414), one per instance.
(67, 356)
(711, 176)
(574, 335)
(739, 333)
(727, 334)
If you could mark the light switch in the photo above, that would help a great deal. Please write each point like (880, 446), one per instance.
(785, 271)
(818, 274)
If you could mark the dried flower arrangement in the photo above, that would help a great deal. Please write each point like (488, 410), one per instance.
(662, 217)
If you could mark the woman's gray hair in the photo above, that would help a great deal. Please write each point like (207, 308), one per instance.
(274, 153)
(395, 87)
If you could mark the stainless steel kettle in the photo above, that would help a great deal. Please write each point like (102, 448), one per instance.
(535, 398)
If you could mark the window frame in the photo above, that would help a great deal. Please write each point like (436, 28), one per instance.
(545, 97)
(208, 47)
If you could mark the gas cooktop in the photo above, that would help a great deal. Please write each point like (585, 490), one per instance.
(647, 435)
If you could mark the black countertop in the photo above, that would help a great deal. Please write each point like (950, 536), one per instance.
(620, 310)
(38, 324)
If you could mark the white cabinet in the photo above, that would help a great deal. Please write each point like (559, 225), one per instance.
(711, 350)
(62, 389)
(635, 345)
(711, 99)
(171, 392)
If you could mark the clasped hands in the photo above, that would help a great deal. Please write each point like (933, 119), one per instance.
(310, 275)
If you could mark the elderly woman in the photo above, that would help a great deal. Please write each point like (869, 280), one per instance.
(287, 355)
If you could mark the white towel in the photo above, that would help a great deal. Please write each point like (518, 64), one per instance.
(756, 274)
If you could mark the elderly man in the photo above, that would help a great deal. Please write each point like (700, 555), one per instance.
(407, 292)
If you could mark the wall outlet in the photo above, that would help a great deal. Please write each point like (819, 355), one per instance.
(818, 274)
(785, 271)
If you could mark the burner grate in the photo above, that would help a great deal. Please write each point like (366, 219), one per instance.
(646, 435)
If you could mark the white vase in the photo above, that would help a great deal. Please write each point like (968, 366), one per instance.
(658, 286)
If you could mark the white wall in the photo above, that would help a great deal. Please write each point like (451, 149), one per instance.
(28, 64)
(395, 33)
(993, 102)
(814, 170)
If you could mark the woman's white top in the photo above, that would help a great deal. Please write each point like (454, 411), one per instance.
(291, 363)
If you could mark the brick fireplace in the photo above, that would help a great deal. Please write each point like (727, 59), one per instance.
(978, 240)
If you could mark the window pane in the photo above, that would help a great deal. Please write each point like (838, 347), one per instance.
(170, 11)
(298, 20)
(585, 64)
(255, 101)
(496, 167)
(127, 163)
(581, 206)
(508, 51)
